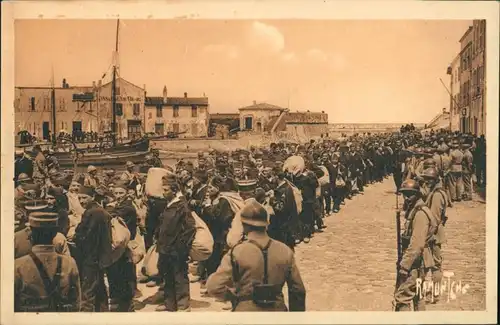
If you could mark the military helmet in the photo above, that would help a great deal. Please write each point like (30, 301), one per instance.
(430, 173)
(409, 186)
(23, 177)
(429, 162)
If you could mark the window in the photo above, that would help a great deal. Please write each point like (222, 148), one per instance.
(159, 111)
(46, 104)
(176, 111)
(137, 109)
(194, 111)
(62, 105)
(32, 104)
(160, 128)
(117, 91)
(175, 127)
(194, 129)
(17, 104)
(119, 109)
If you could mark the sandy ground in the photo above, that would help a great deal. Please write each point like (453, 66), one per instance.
(351, 266)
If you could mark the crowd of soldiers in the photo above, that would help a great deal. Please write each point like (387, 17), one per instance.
(64, 220)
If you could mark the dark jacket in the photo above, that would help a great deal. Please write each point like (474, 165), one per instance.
(93, 238)
(176, 229)
(218, 218)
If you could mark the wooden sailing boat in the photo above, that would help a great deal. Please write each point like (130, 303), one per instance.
(117, 154)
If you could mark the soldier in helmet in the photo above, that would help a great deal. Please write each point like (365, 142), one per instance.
(455, 175)
(467, 171)
(91, 179)
(437, 202)
(261, 290)
(420, 229)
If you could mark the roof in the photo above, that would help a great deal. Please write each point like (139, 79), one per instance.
(466, 33)
(224, 116)
(56, 88)
(181, 101)
(121, 79)
(263, 106)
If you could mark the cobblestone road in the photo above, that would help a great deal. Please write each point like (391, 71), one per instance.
(351, 266)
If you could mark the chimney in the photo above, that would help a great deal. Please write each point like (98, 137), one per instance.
(444, 110)
(185, 95)
(99, 83)
(93, 84)
(255, 102)
(64, 83)
(165, 94)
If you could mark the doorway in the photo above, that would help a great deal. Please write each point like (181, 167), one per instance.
(45, 131)
(248, 123)
(134, 129)
(77, 126)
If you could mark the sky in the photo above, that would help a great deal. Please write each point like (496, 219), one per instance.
(357, 71)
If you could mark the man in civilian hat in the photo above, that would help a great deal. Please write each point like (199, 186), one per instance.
(200, 179)
(285, 219)
(266, 179)
(121, 274)
(467, 170)
(174, 236)
(455, 175)
(44, 280)
(256, 269)
(93, 240)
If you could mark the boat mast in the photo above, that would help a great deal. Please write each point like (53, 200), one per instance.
(113, 89)
(53, 108)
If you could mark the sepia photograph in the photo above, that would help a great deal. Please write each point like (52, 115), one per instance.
(249, 165)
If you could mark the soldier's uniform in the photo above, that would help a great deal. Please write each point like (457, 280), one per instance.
(467, 171)
(45, 281)
(258, 266)
(90, 179)
(418, 237)
(455, 175)
(437, 201)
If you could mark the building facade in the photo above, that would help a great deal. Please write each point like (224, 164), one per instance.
(33, 111)
(472, 79)
(455, 112)
(259, 117)
(478, 91)
(90, 109)
(129, 108)
(188, 116)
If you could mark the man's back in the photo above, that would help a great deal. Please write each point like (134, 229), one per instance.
(30, 293)
(282, 269)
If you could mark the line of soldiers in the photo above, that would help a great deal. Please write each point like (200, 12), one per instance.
(436, 174)
(289, 188)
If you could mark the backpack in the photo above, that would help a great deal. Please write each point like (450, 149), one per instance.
(264, 294)
(120, 237)
(52, 288)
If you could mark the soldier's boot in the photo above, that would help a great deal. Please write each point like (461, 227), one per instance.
(418, 304)
(402, 307)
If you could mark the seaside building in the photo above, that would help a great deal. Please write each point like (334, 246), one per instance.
(455, 111)
(33, 110)
(470, 81)
(89, 109)
(186, 115)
